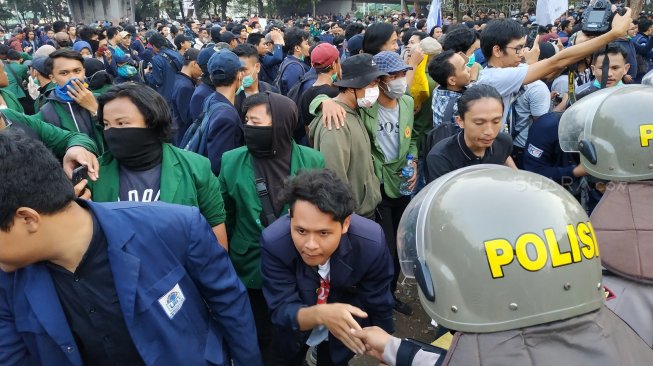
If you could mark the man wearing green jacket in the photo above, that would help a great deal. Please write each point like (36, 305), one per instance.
(348, 150)
(71, 105)
(140, 167)
(251, 179)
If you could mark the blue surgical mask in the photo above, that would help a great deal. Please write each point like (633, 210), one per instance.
(472, 60)
(62, 91)
(334, 77)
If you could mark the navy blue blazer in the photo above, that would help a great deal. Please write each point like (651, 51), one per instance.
(152, 248)
(361, 273)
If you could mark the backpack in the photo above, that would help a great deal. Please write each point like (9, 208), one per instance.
(194, 138)
(277, 80)
(441, 131)
(295, 92)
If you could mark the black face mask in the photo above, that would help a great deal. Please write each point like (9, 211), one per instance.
(94, 45)
(135, 148)
(259, 141)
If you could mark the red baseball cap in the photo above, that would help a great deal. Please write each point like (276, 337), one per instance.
(324, 55)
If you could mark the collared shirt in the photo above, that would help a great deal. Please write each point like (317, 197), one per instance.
(452, 153)
(90, 301)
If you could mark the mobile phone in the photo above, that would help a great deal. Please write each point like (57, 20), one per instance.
(554, 41)
(79, 174)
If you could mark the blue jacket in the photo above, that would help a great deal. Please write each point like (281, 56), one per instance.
(200, 94)
(270, 64)
(542, 153)
(162, 76)
(181, 96)
(148, 258)
(225, 131)
(361, 272)
(292, 74)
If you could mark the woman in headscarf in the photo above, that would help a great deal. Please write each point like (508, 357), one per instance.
(269, 157)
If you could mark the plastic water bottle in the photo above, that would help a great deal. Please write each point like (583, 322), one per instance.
(407, 172)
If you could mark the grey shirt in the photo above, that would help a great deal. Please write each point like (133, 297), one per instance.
(534, 102)
(387, 134)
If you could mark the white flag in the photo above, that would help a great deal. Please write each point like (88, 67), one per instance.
(435, 16)
(549, 10)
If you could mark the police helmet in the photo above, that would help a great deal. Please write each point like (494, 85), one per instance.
(495, 249)
(613, 131)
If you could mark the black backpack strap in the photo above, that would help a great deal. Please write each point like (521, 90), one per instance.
(13, 73)
(171, 62)
(267, 215)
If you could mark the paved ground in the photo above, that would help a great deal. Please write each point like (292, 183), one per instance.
(416, 326)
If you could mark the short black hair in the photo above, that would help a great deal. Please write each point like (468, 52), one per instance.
(13, 55)
(564, 24)
(111, 32)
(38, 183)
(407, 33)
(257, 99)
(376, 36)
(58, 26)
(62, 53)
(85, 33)
(324, 189)
(294, 37)
(237, 29)
(151, 104)
(440, 68)
(255, 38)
(612, 48)
(459, 39)
(476, 92)
(499, 32)
(158, 40)
(643, 25)
(246, 50)
(180, 39)
(353, 29)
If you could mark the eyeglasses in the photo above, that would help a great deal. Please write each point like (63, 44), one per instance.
(517, 49)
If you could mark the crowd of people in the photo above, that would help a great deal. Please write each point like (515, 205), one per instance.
(289, 150)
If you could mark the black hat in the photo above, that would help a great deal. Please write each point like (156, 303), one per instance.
(359, 71)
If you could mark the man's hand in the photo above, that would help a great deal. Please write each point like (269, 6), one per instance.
(83, 96)
(627, 79)
(333, 114)
(621, 23)
(76, 156)
(277, 37)
(81, 191)
(531, 56)
(339, 320)
(416, 56)
(374, 339)
(412, 182)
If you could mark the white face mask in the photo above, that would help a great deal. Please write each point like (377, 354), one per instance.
(371, 95)
(396, 88)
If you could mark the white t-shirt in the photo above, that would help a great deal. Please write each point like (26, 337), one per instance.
(507, 80)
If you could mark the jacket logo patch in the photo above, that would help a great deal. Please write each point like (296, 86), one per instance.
(534, 151)
(172, 301)
(407, 132)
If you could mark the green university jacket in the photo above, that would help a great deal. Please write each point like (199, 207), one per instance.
(244, 207)
(53, 137)
(389, 173)
(186, 179)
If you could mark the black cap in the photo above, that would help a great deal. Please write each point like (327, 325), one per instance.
(359, 71)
